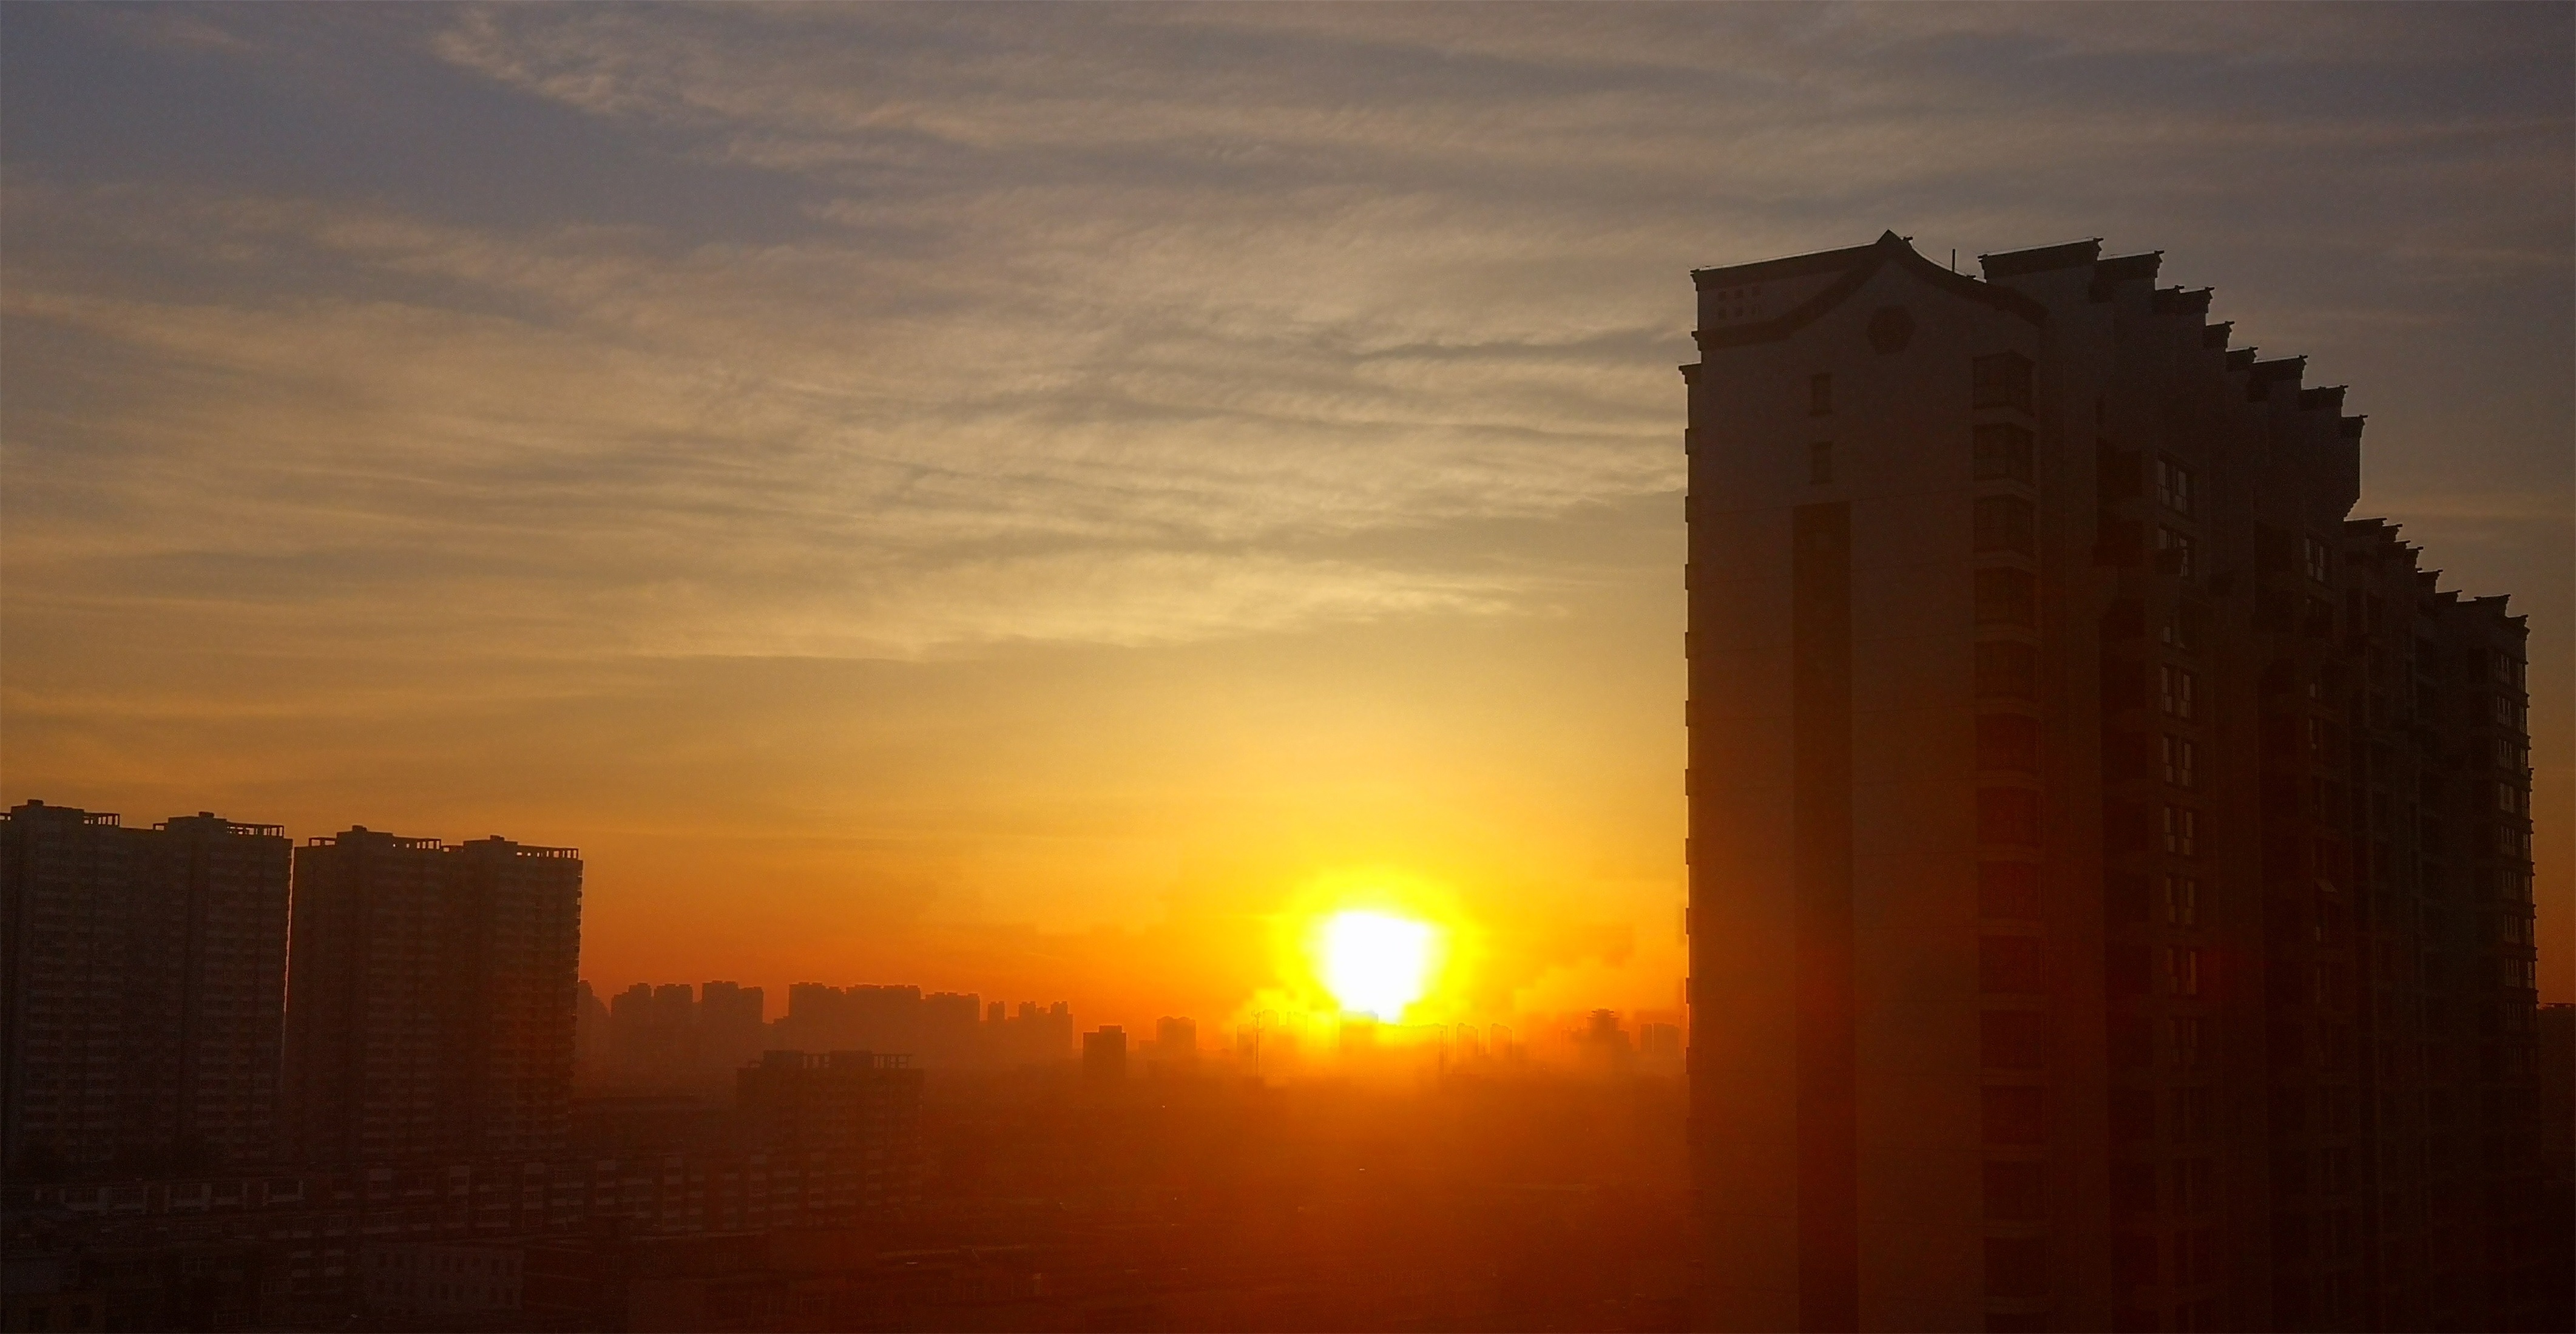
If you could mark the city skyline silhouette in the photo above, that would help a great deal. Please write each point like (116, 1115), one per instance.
(1088, 666)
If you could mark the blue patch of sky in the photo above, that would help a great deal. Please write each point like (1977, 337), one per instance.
(356, 111)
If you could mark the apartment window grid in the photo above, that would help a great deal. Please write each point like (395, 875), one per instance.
(2181, 900)
(2181, 767)
(2181, 831)
(2173, 485)
(2001, 380)
(2002, 453)
(2182, 970)
(2175, 552)
(2315, 560)
(2188, 1041)
(2181, 630)
(2177, 692)
(2005, 523)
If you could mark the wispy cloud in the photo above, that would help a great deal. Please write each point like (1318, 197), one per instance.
(363, 368)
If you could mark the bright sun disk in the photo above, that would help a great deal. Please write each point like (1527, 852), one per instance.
(1376, 964)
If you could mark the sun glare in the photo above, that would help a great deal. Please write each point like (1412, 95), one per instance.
(1376, 964)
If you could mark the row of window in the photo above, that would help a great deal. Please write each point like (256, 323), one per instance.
(2135, 1189)
(2133, 1042)
(2172, 899)
(2000, 453)
(2190, 1114)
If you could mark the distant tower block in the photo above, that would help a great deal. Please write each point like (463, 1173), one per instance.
(1104, 1053)
(2110, 866)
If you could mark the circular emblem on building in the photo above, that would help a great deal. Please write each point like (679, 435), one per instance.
(1891, 328)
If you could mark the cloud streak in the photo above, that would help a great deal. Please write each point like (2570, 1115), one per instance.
(357, 365)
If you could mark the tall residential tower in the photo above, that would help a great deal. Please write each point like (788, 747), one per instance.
(431, 1008)
(2110, 865)
(142, 976)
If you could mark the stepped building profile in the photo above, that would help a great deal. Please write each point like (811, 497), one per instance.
(2110, 861)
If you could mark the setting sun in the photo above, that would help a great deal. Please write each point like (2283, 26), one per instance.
(1376, 964)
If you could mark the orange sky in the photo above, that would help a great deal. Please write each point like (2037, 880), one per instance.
(1005, 500)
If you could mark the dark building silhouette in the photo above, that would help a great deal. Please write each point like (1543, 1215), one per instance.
(144, 974)
(2111, 884)
(2557, 1233)
(431, 1005)
(1176, 1042)
(852, 1106)
(1034, 1035)
(729, 1021)
(1104, 1053)
(941, 1028)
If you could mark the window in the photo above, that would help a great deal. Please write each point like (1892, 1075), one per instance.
(2007, 671)
(2007, 597)
(2191, 1118)
(2313, 558)
(2016, 1192)
(2190, 1052)
(2013, 1039)
(2014, 1116)
(2191, 1192)
(2182, 970)
(2017, 1268)
(2182, 900)
(2001, 381)
(2008, 815)
(2133, 1191)
(2008, 741)
(2182, 831)
(2179, 757)
(2003, 454)
(2178, 692)
(2011, 965)
(2174, 553)
(1820, 395)
(1820, 462)
(2183, 625)
(2173, 485)
(2008, 889)
(2005, 523)
(2133, 1113)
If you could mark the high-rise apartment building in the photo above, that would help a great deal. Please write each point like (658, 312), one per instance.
(431, 1007)
(860, 1107)
(141, 978)
(2110, 865)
